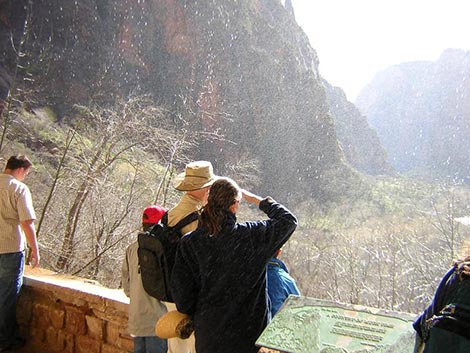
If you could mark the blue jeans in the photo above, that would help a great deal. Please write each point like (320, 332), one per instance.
(150, 344)
(11, 279)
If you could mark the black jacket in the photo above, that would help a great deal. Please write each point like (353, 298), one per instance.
(220, 281)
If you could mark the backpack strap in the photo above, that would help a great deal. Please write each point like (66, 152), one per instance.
(190, 218)
(454, 318)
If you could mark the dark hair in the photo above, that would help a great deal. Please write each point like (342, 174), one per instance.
(222, 194)
(17, 162)
(462, 268)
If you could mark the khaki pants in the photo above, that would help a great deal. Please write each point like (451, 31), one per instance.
(177, 345)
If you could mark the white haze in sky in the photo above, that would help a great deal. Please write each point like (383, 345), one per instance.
(355, 39)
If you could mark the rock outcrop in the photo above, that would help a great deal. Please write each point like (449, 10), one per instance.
(240, 72)
(359, 142)
(421, 112)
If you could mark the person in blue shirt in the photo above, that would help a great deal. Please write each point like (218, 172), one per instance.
(279, 283)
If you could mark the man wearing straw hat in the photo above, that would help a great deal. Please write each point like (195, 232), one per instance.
(195, 181)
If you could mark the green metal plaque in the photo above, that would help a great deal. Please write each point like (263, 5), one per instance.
(307, 325)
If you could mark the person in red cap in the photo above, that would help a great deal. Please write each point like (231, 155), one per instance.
(151, 216)
(144, 310)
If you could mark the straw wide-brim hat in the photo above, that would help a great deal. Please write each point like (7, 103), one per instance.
(174, 324)
(197, 175)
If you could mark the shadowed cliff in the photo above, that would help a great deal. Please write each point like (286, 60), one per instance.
(240, 72)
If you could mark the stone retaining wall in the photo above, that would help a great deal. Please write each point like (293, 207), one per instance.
(66, 314)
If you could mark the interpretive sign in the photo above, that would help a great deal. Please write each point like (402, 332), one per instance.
(307, 325)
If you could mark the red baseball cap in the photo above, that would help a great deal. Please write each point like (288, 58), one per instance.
(153, 214)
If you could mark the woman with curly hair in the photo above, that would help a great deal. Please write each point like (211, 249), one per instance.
(219, 278)
(445, 325)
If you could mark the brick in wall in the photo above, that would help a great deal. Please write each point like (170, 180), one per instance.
(95, 327)
(107, 348)
(46, 316)
(75, 322)
(68, 341)
(85, 344)
(38, 338)
(57, 318)
(117, 336)
(59, 341)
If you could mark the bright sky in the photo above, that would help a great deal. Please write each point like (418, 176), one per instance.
(355, 39)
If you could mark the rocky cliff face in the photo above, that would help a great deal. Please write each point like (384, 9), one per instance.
(359, 142)
(421, 111)
(243, 70)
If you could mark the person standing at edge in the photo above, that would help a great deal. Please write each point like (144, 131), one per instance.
(219, 277)
(280, 283)
(16, 225)
(195, 181)
(144, 310)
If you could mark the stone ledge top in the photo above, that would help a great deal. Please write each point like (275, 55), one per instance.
(49, 280)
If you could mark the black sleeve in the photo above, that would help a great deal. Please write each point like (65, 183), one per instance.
(184, 286)
(274, 232)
